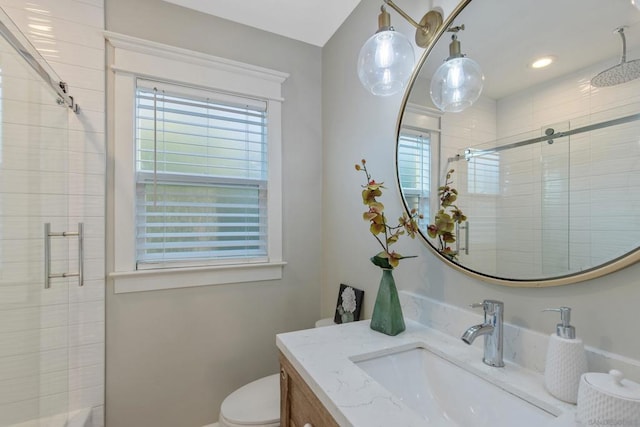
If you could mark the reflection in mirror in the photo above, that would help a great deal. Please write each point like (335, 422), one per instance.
(546, 165)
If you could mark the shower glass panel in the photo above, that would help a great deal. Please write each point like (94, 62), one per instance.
(477, 181)
(549, 202)
(604, 193)
(555, 167)
(34, 321)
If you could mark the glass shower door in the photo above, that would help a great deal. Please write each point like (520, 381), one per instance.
(34, 321)
(555, 181)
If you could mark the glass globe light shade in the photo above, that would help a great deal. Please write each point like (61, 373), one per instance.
(456, 84)
(636, 3)
(385, 63)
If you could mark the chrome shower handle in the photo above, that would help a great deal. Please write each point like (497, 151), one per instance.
(47, 254)
(466, 237)
(48, 234)
(80, 254)
(464, 227)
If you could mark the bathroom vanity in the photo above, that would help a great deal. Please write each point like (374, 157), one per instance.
(299, 406)
(350, 375)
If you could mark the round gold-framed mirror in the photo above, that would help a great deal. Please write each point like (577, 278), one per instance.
(537, 182)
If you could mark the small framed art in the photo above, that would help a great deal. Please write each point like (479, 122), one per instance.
(349, 304)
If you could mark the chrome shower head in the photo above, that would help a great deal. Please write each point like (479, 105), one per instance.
(621, 73)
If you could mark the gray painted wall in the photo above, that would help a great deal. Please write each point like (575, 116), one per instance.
(172, 356)
(356, 125)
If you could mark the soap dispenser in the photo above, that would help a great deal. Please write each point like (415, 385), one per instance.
(566, 359)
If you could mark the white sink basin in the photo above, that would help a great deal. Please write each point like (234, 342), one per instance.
(445, 394)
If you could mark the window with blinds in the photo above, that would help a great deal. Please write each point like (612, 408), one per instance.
(201, 177)
(414, 159)
(484, 174)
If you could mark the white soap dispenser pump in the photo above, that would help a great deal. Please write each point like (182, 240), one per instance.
(566, 359)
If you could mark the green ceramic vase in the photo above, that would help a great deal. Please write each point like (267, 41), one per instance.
(387, 313)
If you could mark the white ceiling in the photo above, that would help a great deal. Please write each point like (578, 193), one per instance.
(504, 37)
(310, 21)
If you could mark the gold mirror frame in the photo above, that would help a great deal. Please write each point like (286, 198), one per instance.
(592, 273)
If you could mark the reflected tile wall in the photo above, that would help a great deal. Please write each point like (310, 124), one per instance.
(472, 128)
(598, 169)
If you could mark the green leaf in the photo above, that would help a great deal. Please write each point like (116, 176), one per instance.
(448, 237)
(381, 262)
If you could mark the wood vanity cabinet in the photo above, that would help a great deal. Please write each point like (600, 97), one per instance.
(299, 406)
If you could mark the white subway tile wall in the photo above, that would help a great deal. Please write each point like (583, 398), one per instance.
(52, 169)
(547, 194)
(471, 128)
(588, 178)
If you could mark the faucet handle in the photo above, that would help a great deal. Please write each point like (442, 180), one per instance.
(489, 305)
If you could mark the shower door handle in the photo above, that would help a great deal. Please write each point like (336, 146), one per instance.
(466, 237)
(464, 227)
(48, 234)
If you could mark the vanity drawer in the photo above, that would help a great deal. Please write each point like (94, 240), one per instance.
(299, 406)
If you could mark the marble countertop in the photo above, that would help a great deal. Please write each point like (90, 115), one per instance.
(323, 357)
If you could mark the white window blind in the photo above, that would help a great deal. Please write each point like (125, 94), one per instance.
(484, 174)
(414, 159)
(201, 177)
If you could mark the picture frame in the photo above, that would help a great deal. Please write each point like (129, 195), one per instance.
(349, 304)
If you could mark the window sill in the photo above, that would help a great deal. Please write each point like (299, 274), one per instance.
(173, 278)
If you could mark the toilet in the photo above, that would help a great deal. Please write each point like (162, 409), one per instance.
(256, 404)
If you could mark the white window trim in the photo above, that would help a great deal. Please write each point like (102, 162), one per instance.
(129, 58)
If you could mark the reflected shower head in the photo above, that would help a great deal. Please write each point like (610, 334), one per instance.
(621, 73)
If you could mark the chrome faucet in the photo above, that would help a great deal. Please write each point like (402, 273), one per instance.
(492, 331)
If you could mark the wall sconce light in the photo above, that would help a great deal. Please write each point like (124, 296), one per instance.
(636, 3)
(386, 60)
(458, 82)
